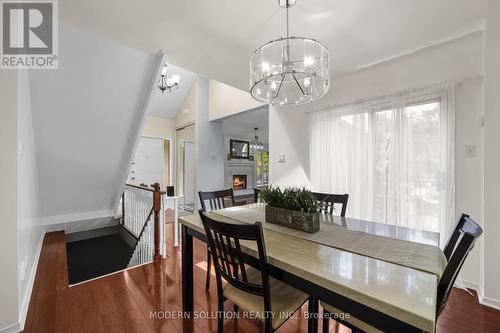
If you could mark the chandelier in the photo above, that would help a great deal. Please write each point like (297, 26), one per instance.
(167, 83)
(291, 70)
(255, 143)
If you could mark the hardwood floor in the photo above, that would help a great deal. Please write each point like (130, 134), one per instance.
(127, 301)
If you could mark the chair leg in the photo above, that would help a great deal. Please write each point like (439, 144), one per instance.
(209, 270)
(326, 323)
(220, 319)
(268, 326)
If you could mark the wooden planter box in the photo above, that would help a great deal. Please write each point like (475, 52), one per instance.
(292, 219)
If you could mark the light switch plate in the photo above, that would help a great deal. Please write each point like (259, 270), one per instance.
(470, 151)
(281, 158)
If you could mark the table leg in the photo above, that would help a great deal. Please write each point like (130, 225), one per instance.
(313, 309)
(187, 272)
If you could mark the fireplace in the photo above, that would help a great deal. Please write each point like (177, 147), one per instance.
(239, 182)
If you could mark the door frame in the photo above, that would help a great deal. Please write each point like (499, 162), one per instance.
(171, 157)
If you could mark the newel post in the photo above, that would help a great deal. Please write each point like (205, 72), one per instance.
(157, 210)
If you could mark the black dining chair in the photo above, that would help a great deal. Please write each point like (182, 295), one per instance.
(248, 288)
(256, 194)
(456, 250)
(328, 202)
(214, 200)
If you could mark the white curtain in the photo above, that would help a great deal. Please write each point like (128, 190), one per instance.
(393, 156)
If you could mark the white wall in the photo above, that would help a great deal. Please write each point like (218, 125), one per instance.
(30, 231)
(159, 127)
(85, 116)
(453, 60)
(446, 62)
(288, 135)
(189, 110)
(468, 170)
(491, 250)
(209, 143)
(225, 100)
(9, 297)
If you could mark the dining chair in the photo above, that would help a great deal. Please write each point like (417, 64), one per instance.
(215, 200)
(458, 247)
(248, 288)
(328, 202)
(256, 194)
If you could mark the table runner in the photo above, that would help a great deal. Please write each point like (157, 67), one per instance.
(419, 256)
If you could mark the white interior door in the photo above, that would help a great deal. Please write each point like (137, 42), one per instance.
(147, 166)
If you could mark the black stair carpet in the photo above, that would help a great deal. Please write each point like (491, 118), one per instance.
(91, 258)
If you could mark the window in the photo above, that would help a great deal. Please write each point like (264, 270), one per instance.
(393, 156)
(262, 161)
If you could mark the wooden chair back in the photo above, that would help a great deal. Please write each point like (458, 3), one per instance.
(456, 250)
(328, 202)
(224, 242)
(216, 199)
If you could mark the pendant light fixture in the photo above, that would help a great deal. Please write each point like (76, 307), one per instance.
(167, 83)
(289, 70)
(256, 144)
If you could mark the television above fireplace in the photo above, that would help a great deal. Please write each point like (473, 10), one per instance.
(239, 149)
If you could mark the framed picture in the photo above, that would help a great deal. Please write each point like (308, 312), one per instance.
(239, 149)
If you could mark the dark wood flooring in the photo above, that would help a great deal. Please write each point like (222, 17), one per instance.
(125, 301)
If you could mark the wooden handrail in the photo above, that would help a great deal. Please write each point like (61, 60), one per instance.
(146, 188)
(157, 209)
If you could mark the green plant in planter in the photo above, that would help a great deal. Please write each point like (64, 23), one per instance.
(293, 198)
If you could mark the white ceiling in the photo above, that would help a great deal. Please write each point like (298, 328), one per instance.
(167, 104)
(242, 125)
(215, 38)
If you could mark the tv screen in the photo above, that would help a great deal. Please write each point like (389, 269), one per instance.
(239, 149)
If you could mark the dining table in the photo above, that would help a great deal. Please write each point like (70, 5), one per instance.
(385, 275)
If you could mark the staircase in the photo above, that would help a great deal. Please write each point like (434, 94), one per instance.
(137, 239)
(143, 218)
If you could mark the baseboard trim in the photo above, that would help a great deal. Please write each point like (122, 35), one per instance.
(486, 301)
(489, 302)
(11, 329)
(29, 290)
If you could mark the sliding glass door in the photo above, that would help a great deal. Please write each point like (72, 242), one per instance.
(262, 169)
(394, 157)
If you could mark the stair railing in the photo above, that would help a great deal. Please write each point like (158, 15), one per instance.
(143, 217)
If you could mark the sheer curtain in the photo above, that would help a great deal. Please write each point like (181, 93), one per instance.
(393, 156)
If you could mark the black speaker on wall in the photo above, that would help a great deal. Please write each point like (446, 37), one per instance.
(170, 191)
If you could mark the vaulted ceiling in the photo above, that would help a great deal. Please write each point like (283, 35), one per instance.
(215, 38)
(167, 104)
